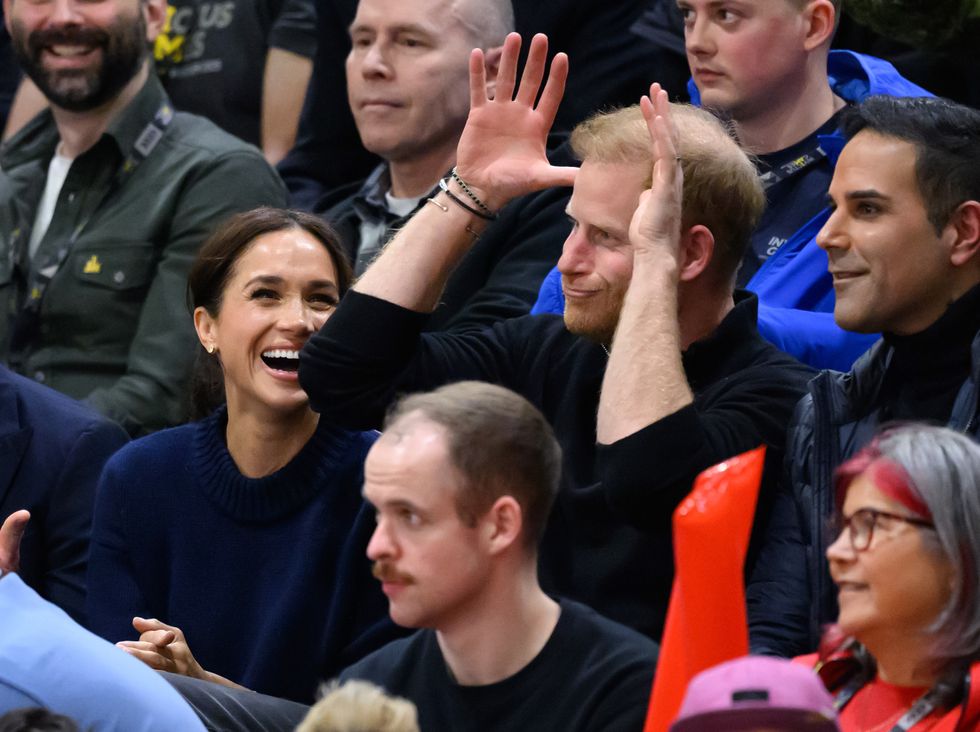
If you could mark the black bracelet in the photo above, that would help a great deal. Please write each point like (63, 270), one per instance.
(466, 189)
(444, 187)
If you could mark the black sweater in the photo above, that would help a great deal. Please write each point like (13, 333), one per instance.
(613, 554)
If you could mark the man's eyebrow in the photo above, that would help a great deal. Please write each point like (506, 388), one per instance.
(864, 193)
(401, 503)
(403, 28)
(609, 227)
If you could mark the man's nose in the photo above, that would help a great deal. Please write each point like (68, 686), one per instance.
(697, 37)
(575, 253)
(831, 234)
(64, 12)
(375, 61)
(380, 546)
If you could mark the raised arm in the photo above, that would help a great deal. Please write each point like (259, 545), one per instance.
(501, 155)
(645, 380)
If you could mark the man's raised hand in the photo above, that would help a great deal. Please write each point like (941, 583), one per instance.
(501, 153)
(656, 224)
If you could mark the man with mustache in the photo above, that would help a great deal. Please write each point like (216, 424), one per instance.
(656, 371)
(462, 480)
(104, 200)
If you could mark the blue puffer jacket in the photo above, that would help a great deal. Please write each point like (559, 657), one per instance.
(796, 294)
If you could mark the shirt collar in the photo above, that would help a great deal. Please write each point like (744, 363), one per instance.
(369, 202)
(39, 137)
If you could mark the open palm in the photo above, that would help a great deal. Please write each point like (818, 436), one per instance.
(501, 152)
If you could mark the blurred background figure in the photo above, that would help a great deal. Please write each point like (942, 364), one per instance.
(906, 564)
(9, 73)
(356, 706)
(932, 42)
(243, 65)
(756, 694)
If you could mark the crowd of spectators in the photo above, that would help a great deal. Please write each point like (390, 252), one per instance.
(364, 349)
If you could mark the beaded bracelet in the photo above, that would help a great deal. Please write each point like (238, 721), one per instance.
(444, 187)
(466, 189)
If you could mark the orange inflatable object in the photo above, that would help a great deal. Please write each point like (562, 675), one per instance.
(706, 620)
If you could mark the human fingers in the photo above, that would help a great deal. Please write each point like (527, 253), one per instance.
(478, 79)
(554, 88)
(656, 113)
(537, 59)
(11, 532)
(159, 638)
(148, 654)
(145, 624)
(663, 108)
(507, 71)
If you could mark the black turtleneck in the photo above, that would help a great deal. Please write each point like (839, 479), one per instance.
(928, 368)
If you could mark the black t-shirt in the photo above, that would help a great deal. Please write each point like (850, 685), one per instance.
(796, 181)
(211, 55)
(592, 674)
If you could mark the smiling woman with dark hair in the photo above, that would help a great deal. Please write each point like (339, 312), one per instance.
(245, 532)
(905, 654)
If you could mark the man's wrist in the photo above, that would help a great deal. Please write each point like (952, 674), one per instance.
(485, 199)
(656, 263)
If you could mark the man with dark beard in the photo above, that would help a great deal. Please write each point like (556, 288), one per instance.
(104, 201)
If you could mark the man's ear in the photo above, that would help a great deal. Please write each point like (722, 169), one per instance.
(697, 247)
(155, 15)
(965, 226)
(491, 60)
(6, 14)
(820, 17)
(503, 522)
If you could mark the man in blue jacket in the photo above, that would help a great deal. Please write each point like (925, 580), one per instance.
(903, 243)
(768, 67)
(52, 450)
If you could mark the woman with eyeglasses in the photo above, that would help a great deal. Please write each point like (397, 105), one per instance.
(905, 653)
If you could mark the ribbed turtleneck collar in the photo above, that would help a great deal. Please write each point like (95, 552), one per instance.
(927, 368)
(271, 497)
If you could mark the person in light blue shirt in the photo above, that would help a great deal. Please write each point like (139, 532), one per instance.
(48, 660)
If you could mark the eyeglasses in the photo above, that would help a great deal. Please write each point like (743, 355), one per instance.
(860, 525)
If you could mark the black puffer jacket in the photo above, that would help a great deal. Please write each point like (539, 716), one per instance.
(833, 421)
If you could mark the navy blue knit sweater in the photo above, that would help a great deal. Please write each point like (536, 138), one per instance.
(267, 577)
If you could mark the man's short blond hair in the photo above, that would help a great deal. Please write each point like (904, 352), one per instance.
(359, 706)
(721, 186)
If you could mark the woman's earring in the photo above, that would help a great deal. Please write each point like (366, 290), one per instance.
(209, 348)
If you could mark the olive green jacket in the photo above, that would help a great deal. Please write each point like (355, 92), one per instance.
(112, 325)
